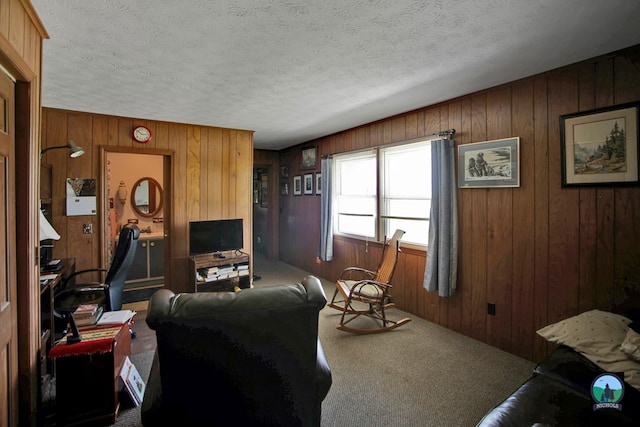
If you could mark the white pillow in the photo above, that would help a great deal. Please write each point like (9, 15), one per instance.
(631, 345)
(598, 335)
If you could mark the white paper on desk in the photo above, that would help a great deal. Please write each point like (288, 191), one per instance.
(118, 317)
(48, 276)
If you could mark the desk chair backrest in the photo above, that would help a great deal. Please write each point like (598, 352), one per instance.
(122, 259)
(389, 258)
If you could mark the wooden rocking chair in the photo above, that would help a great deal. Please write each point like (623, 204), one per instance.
(362, 292)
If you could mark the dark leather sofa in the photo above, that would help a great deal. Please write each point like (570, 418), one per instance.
(246, 358)
(559, 394)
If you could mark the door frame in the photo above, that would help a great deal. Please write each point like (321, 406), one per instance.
(167, 202)
(273, 208)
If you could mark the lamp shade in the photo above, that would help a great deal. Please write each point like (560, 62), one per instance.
(75, 150)
(46, 229)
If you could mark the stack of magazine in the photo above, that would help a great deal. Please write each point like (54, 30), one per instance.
(118, 317)
(133, 382)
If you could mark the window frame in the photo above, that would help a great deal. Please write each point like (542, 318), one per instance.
(379, 217)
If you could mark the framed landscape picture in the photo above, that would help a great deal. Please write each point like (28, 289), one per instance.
(600, 147)
(489, 164)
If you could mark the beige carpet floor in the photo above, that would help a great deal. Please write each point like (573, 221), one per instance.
(420, 374)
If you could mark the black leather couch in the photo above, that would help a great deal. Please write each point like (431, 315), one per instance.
(559, 394)
(246, 358)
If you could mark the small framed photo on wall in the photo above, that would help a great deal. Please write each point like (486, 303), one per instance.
(318, 183)
(297, 185)
(308, 183)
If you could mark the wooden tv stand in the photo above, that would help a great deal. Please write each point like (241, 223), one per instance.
(227, 271)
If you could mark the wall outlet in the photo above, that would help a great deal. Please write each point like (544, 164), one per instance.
(491, 309)
(87, 228)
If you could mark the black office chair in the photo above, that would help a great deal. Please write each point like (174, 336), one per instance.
(107, 293)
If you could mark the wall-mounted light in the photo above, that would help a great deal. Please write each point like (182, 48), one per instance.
(122, 192)
(75, 151)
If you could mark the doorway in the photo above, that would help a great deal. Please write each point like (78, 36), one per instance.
(260, 212)
(136, 189)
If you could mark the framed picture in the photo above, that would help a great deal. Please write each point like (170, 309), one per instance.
(284, 188)
(489, 164)
(264, 191)
(308, 183)
(319, 183)
(297, 185)
(308, 158)
(256, 190)
(600, 147)
(284, 171)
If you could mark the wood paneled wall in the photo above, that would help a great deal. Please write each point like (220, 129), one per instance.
(540, 252)
(211, 178)
(21, 36)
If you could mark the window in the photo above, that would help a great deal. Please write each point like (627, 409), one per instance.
(355, 194)
(381, 190)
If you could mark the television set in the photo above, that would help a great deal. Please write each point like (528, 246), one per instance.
(215, 236)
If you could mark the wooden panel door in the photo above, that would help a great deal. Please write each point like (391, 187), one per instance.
(8, 297)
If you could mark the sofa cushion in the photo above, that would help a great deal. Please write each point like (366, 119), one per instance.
(597, 335)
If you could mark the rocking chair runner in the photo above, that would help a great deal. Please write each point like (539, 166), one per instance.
(367, 293)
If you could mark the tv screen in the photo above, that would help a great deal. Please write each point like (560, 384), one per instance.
(215, 236)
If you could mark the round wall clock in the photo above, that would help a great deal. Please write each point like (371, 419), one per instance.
(142, 134)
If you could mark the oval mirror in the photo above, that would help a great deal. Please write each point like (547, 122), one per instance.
(146, 197)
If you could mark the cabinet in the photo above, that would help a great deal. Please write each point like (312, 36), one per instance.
(148, 263)
(87, 376)
(220, 272)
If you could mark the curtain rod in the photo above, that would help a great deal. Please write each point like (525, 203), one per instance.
(442, 134)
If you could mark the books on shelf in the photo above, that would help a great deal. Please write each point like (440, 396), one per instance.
(117, 317)
(211, 274)
(89, 320)
(133, 382)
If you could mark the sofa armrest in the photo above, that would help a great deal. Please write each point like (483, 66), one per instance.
(323, 373)
(574, 370)
(159, 307)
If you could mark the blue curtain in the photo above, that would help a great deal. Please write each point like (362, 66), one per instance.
(325, 248)
(442, 250)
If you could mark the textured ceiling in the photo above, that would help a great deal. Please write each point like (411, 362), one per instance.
(294, 70)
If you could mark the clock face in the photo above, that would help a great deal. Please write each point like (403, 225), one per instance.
(142, 134)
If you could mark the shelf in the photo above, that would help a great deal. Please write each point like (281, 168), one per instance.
(227, 267)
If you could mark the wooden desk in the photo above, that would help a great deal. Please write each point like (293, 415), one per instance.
(87, 376)
(47, 293)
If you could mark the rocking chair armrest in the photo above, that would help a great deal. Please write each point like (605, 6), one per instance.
(351, 270)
